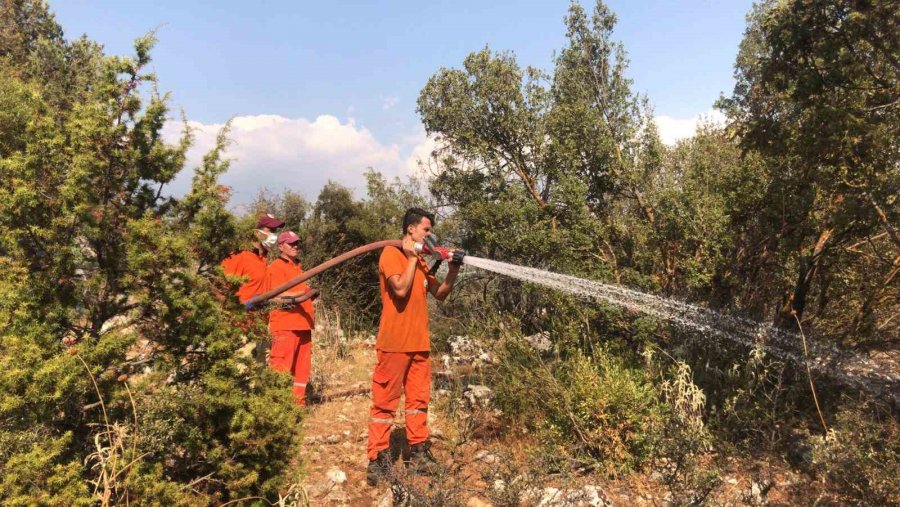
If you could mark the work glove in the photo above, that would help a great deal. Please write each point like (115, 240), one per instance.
(457, 258)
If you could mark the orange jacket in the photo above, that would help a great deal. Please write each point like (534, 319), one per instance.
(404, 321)
(299, 317)
(247, 265)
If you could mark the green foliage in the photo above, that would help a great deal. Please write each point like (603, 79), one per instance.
(791, 209)
(683, 448)
(861, 454)
(816, 97)
(108, 296)
(595, 410)
(532, 171)
(40, 473)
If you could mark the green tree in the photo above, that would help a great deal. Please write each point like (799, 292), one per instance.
(120, 374)
(548, 171)
(339, 223)
(817, 97)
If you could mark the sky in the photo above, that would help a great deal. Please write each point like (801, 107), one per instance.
(320, 91)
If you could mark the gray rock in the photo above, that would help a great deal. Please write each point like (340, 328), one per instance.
(540, 342)
(586, 496)
(387, 500)
(337, 476)
(551, 497)
(478, 395)
(487, 457)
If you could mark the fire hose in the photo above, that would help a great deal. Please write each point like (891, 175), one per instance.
(431, 248)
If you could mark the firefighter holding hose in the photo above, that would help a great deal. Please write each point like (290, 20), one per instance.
(291, 323)
(403, 346)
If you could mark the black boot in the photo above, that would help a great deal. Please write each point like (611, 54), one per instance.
(421, 460)
(379, 468)
(313, 396)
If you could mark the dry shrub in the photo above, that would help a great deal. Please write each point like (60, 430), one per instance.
(861, 455)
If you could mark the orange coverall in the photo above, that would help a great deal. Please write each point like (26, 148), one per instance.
(403, 355)
(291, 329)
(250, 265)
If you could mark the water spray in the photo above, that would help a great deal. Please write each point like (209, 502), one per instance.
(846, 367)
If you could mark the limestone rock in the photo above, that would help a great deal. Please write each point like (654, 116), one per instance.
(337, 476)
(478, 395)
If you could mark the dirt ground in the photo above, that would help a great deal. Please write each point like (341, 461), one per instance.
(479, 466)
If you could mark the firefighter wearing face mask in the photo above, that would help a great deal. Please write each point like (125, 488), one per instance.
(251, 264)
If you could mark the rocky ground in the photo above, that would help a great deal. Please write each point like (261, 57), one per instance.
(480, 466)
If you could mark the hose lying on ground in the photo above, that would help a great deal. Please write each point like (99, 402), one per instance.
(265, 296)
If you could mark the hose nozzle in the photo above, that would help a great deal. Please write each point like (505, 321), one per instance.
(439, 253)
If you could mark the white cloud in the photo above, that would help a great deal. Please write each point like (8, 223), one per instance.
(671, 130)
(422, 146)
(278, 153)
(389, 102)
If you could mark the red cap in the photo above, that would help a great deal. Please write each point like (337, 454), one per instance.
(287, 237)
(267, 220)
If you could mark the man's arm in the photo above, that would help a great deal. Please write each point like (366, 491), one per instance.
(441, 291)
(292, 300)
(400, 284)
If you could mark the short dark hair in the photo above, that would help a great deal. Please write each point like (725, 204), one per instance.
(415, 215)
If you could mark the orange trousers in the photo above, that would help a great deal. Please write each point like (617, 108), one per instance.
(396, 373)
(292, 353)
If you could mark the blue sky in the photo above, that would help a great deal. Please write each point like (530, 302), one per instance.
(319, 88)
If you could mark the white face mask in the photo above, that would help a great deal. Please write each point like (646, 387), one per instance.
(267, 239)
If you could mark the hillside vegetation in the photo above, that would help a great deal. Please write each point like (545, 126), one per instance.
(121, 373)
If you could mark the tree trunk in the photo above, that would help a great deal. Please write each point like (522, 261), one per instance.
(795, 300)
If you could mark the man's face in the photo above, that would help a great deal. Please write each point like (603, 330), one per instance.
(290, 250)
(420, 230)
(265, 237)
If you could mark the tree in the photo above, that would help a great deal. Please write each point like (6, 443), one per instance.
(120, 374)
(549, 170)
(817, 96)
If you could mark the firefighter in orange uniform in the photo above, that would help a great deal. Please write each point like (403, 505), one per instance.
(291, 324)
(402, 348)
(251, 264)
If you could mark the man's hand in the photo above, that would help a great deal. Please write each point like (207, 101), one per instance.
(409, 248)
(456, 258)
(283, 303)
(310, 294)
(288, 302)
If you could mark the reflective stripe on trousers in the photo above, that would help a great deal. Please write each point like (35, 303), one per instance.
(396, 374)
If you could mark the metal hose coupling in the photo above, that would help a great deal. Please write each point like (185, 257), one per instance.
(437, 253)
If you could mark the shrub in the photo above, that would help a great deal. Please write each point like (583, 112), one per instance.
(108, 294)
(592, 410)
(861, 454)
